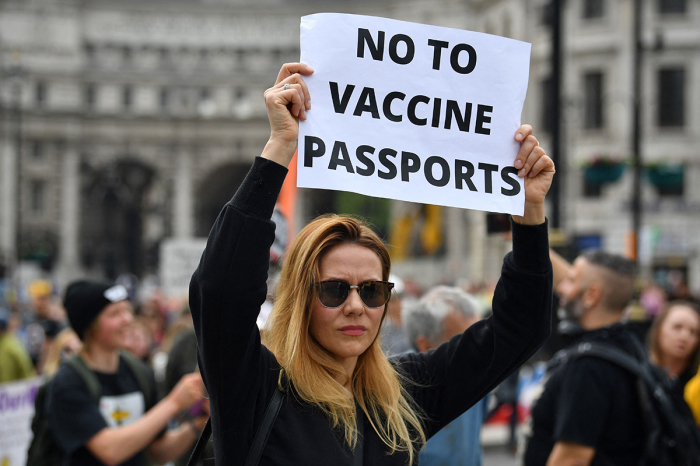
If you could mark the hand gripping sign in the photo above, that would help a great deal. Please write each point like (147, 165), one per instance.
(412, 112)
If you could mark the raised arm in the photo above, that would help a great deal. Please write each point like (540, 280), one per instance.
(229, 285)
(460, 372)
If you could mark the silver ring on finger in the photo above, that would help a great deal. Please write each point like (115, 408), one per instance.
(286, 86)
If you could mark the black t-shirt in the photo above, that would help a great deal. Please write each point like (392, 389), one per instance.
(591, 402)
(74, 417)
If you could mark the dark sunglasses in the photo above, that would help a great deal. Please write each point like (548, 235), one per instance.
(373, 293)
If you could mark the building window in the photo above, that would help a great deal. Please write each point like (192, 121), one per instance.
(672, 6)
(593, 9)
(593, 100)
(127, 97)
(90, 95)
(164, 56)
(591, 189)
(37, 193)
(126, 56)
(37, 151)
(547, 116)
(670, 97)
(164, 98)
(40, 93)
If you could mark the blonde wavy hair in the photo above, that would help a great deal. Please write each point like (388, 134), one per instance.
(376, 385)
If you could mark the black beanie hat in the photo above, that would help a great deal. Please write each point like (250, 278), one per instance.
(85, 299)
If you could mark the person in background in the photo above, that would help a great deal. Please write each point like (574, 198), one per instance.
(589, 412)
(42, 323)
(394, 339)
(441, 314)
(65, 345)
(140, 340)
(15, 363)
(128, 423)
(674, 342)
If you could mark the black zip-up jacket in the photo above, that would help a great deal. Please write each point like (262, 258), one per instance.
(240, 374)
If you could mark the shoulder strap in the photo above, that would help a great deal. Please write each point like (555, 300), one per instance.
(142, 375)
(359, 446)
(264, 430)
(201, 443)
(88, 376)
(273, 408)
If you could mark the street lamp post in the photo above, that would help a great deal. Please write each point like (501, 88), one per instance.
(636, 133)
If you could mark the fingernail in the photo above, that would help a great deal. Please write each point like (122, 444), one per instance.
(521, 173)
(518, 163)
(531, 174)
(518, 137)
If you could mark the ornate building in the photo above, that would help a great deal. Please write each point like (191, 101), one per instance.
(136, 121)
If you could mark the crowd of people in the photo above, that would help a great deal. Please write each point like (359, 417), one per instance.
(351, 365)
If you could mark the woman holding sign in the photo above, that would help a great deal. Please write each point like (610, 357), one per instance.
(342, 401)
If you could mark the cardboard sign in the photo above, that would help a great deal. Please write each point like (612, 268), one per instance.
(412, 112)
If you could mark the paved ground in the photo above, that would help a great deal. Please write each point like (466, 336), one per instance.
(498, 456)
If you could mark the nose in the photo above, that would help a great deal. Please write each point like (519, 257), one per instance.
(353, 304)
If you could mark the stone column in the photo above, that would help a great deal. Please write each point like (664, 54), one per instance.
(183, 212)
(457, 237)
(8, 202)
(477, 245)
(70, 213)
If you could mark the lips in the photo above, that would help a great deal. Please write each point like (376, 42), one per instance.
(353, 330)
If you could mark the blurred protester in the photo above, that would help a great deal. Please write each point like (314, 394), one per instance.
(139, 341)
(441, 314)
(588, 412)
(183, 360)
(125, 423)
(65, 345)
(154, 318)
(42, 323)
(15, 363)
(653, 299)
(394, 339)
(674, 342)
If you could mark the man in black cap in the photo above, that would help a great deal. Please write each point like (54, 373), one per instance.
(123, 422)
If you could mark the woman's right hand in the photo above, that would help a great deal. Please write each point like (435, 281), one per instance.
(284, 110)
(188, 391)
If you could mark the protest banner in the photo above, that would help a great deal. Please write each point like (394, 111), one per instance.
(412, 112)
(179, 257)
(16, 413)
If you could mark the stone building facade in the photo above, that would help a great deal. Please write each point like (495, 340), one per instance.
(136, 121)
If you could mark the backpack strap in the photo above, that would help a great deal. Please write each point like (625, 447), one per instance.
(142, 375)
(88, 376)
(641, 369)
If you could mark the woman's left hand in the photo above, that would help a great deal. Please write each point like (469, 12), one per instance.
(538, 170)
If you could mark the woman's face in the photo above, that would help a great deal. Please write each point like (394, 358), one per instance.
(114, 325)
(347, 331)
(679, 333)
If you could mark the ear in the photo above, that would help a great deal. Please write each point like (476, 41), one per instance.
(424, 344)
(592, 296)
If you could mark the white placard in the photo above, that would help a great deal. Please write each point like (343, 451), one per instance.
(16, 414)
(412, 112)
(179, 258)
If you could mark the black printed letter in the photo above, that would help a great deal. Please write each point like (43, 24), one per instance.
(364, 36)
(310, 152)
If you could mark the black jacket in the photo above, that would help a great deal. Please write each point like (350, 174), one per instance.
(226, 293)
